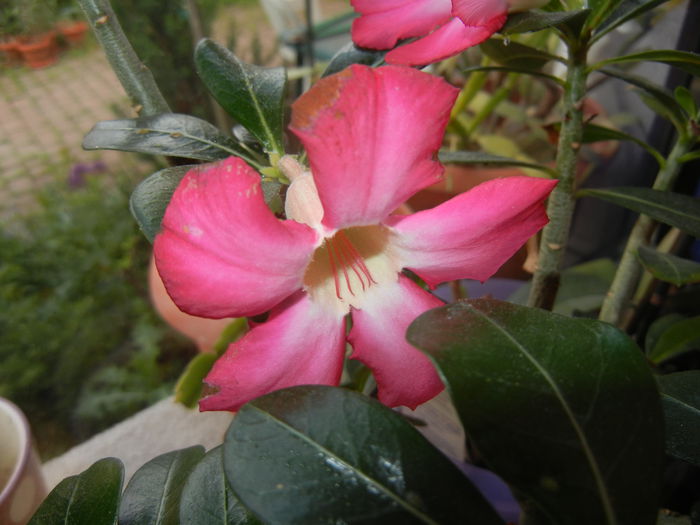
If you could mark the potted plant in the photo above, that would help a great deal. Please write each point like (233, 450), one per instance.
(9, 27)
(71, 24)
(38, 39)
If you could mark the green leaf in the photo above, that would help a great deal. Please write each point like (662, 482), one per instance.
(689, 156)
(168, 134)
(582, 288)
(252, 95)
(680, 336)
(685, 98)
(680, 394)
(317, 454)
(626, 10)
(535, 20)
(595, 133)
(656, 97)
(674, 209)
(207, 498)
(478, 157)
(685, 60)
(564, 410)
(515, 69)
(90, 498)
(509, 53)
(152, 196)
(669, 268)
(152, 497)
(350, 54)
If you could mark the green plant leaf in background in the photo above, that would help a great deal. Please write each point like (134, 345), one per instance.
(685, 98)
(565, 410)
(685, 60)
(152, 496)
(596, 133)
(152, 196)
(90, 498)
(680, 394)
(351, 54)
(582, 288)
(625, 10)
(167, 134)
(253, 95)
(674, 209)
(534, 20)
(516, 54)
(677, 337)
(478, 157)
(207, 498)
(317, 454)
(669, 268)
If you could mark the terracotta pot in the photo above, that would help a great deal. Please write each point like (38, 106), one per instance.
(9, 48)
(203, 332)
(39, 51)
(73, 32)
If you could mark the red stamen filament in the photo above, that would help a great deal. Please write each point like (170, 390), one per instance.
(342, 253)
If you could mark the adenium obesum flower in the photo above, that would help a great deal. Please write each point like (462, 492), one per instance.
(447, 27)
(371, 136)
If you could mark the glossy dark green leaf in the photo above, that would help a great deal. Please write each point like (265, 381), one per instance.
(656, 97)
(317, 454)
(152, 497)
(565, 410)
(253, 95)
(582, 288)
(685, 60)
(207, 498)
(535, 20)
(678, 337)
(168, 134)
(595, 133)
(151, 197)
(90, 498)
(625, 10)
(350, 54)
(516, 54)
(669, 268)
(674, 209)
(680, 394)
(478, 157)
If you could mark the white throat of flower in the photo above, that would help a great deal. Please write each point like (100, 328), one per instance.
(348, 265)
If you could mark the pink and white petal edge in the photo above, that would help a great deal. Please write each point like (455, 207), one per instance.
(300, 344)
(221, 251)
(405, 376)
(473, 234)
(383, 23)
(371, 136)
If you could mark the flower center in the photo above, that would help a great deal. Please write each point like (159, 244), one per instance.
(348, 264)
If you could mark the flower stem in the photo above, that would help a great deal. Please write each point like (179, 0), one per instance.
(555, 235)
(135, 77)
(629, 270)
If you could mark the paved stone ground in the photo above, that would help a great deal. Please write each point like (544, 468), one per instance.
(43, 116)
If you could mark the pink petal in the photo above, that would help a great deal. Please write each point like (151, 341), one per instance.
(300, 344)
(490, 14)
(450, 39)
(371, 136)
(405, 376)
(473, 234)
(221, 251)
(383, 22)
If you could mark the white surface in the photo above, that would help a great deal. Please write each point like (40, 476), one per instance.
(160, 428)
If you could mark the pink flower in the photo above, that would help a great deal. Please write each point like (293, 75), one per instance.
(371, 136)
(447, 27)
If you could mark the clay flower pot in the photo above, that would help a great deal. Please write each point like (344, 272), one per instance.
(39, 51)
(73, 32)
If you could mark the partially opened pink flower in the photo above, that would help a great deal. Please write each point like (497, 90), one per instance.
(447, 27)
(371, 136)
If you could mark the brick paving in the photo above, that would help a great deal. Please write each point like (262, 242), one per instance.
(43, 116)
